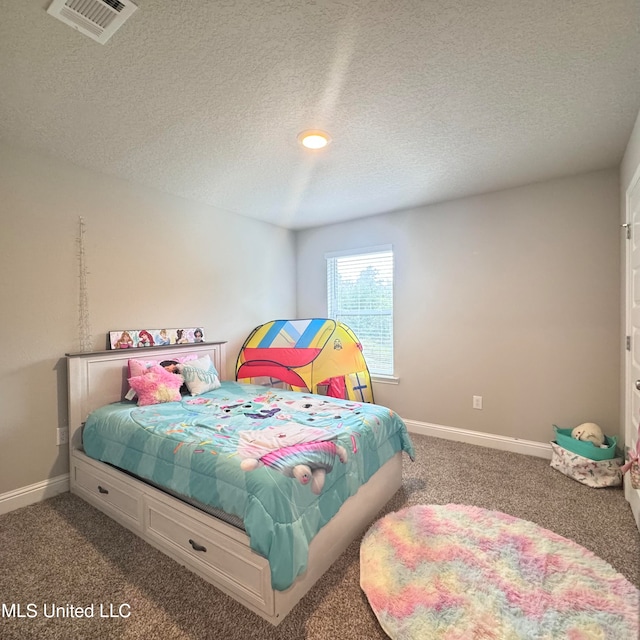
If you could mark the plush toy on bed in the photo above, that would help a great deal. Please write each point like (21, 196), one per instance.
(589, 432)
(308, 462)
(304, 453)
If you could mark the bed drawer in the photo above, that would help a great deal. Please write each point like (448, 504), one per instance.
(118, 499)
(226, 562)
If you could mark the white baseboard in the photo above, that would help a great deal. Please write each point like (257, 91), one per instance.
(504, 443)
(33, 493)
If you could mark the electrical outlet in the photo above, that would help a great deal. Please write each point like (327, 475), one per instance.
(62, 435)
(477, 402)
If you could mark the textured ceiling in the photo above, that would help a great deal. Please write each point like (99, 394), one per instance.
(426, 100)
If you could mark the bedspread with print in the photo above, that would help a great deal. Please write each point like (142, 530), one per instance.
(282, 461)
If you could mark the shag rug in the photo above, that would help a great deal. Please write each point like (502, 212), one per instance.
(457, 572)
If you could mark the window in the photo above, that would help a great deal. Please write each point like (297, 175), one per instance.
(360, 294)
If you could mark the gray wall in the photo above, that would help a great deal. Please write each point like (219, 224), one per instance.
(153, 260)
(513, 296)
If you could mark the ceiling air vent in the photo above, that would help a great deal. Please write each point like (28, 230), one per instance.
(98, 19)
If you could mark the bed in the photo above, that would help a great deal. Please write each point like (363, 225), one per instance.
(204, 484)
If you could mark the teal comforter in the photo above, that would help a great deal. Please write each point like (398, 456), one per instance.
(282, 461)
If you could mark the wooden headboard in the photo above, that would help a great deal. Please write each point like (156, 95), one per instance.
(100, 377)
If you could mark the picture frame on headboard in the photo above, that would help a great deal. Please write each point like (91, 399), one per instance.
(140, 338)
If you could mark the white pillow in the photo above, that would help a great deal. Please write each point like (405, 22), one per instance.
(199, 375)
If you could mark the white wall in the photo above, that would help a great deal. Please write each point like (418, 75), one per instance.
(631, 160)
(154, 260)
(513, 296)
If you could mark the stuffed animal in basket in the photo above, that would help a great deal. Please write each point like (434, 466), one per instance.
(589, 432)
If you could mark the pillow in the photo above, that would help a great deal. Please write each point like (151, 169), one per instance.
(139, 367)
(199, 375)
(157, 385)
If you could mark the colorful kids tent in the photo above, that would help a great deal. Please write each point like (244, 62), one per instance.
(305, 354)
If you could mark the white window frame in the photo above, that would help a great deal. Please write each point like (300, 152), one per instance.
(387, 377)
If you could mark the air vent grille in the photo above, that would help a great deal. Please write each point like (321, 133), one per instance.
(118, 6)
(98, 19)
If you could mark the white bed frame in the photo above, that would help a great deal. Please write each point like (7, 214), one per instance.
(215, 550)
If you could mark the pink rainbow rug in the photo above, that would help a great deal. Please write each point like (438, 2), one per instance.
(459, 572)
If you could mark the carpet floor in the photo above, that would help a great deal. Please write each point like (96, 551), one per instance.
(64, 551)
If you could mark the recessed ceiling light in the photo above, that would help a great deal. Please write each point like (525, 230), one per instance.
(314, 139)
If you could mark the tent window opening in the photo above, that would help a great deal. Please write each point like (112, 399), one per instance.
(360, 294)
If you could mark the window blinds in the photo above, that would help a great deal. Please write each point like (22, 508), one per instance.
(360, 294)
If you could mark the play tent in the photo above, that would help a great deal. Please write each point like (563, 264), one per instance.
(306, 354)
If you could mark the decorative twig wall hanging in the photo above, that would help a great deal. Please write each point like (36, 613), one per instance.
(84, 325)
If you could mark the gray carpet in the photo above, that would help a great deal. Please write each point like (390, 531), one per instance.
(63, 551)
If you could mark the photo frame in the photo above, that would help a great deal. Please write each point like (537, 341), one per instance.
(140, 338)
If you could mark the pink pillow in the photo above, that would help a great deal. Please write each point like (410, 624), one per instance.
(140, 367)
(157, 385)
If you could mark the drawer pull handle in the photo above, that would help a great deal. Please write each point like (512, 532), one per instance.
(102, 489)
(196, 546)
